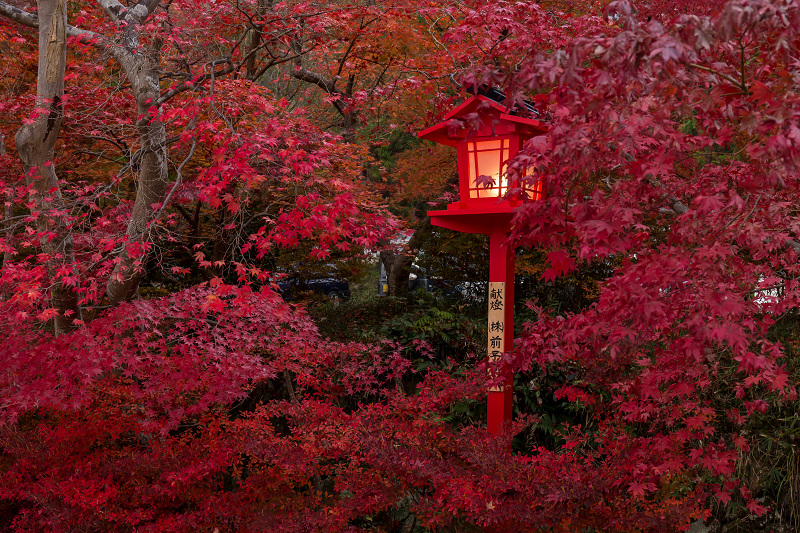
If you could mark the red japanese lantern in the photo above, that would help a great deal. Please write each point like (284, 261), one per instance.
(483, 154)
(486, 136)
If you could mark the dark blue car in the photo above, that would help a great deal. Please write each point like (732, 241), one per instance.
(330, 287)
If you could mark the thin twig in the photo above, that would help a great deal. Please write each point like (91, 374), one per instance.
(740, 85)
(179, 171)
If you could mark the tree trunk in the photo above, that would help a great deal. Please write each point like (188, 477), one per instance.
(398, 263)
(142, 72)
(398, 267)
(255, 39)
(36, 142)
(8, 213)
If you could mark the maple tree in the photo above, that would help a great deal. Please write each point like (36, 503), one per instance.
(672, 148)
(166, 133)
(670, 166)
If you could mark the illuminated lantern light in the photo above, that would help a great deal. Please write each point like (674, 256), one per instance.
(487, 166)
(487, 158)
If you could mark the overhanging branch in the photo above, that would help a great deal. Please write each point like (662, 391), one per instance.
(32, 21)
(18, 15)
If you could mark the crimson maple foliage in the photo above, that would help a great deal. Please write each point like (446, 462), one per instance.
(673, 150)
(672, 155)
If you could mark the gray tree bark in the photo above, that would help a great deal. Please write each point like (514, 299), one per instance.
(141, 66)
(398, 267)
(398, 263)
(8, 213)
(36, 146)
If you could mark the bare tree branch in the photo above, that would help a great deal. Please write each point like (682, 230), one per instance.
(32, 21)
(18, 15)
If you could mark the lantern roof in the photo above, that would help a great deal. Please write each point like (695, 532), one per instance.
(494, 94)
(495, 117)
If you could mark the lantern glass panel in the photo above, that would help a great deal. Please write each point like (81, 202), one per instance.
(531, 185)
(487, 158)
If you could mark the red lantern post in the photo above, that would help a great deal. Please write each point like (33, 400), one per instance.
(483, 207)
